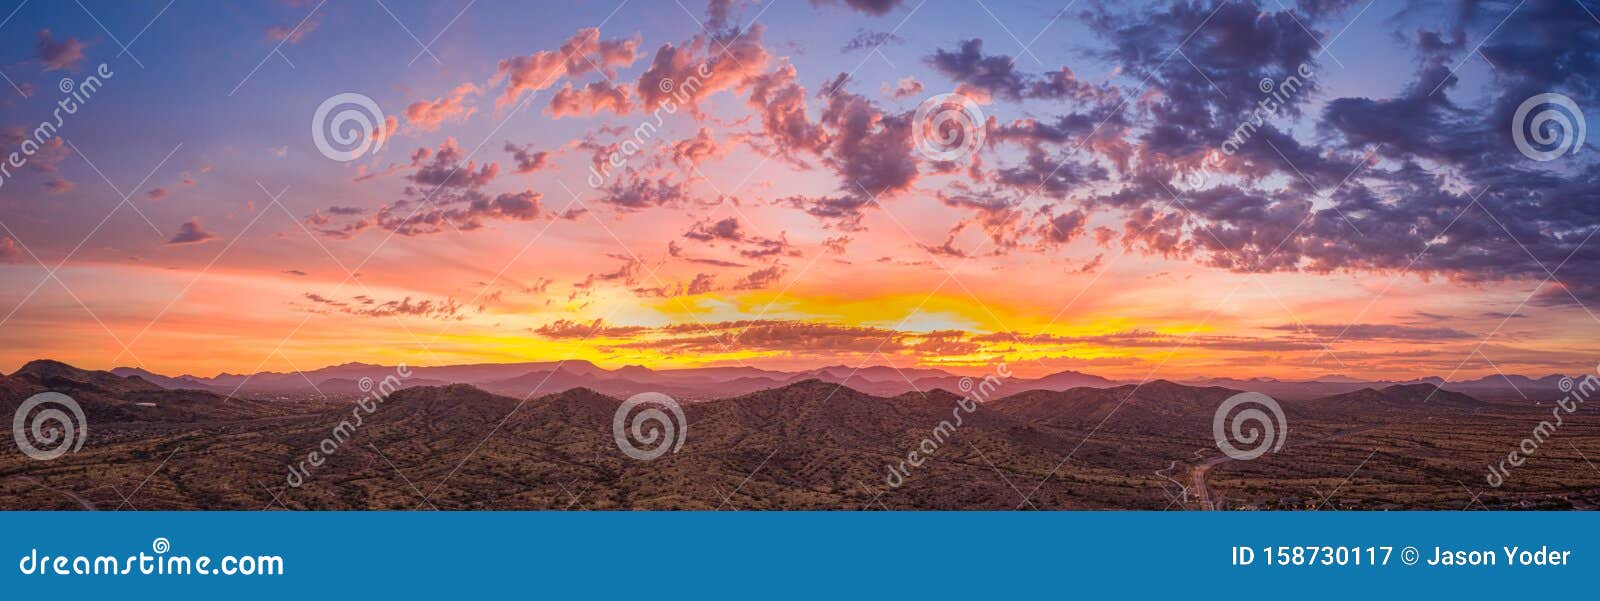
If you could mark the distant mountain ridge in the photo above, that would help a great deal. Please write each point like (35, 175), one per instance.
(518, 380)
(521, 379)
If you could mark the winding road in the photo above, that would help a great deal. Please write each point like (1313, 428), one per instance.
(1197, 475)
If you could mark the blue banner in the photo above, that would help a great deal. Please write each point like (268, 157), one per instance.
(747, 555)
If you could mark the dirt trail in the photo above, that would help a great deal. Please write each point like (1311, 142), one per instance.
(1197, 475)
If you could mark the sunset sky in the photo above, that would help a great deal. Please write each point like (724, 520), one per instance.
(1383, 224)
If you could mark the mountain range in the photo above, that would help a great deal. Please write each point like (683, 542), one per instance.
(518, 380)
(806, 444)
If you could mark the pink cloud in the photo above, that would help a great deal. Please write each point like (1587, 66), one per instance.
(905, 88)
(55, 55)
(9, 253)
(428, 115)
(590, 100)
(583, 53)
(293, 35)
(689, 73)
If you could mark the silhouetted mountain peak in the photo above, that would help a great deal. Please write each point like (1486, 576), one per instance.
(55, 374)
(45, 368)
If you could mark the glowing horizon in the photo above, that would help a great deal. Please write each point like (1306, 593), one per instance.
(1384, 225)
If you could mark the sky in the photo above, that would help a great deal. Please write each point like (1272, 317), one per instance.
(1180, 190)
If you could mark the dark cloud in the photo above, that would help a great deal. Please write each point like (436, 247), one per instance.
(768, 335)
(446, 171)
(563, 329)
(725, 229)
(528, 160)
(636, 192)
(627, 274)
(464, 212)
(365, 306)
(1149, 339)
(1367, 331)
(760, 279)
(190, 232)
(868, 40)
(871, 7)
(997, 75)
